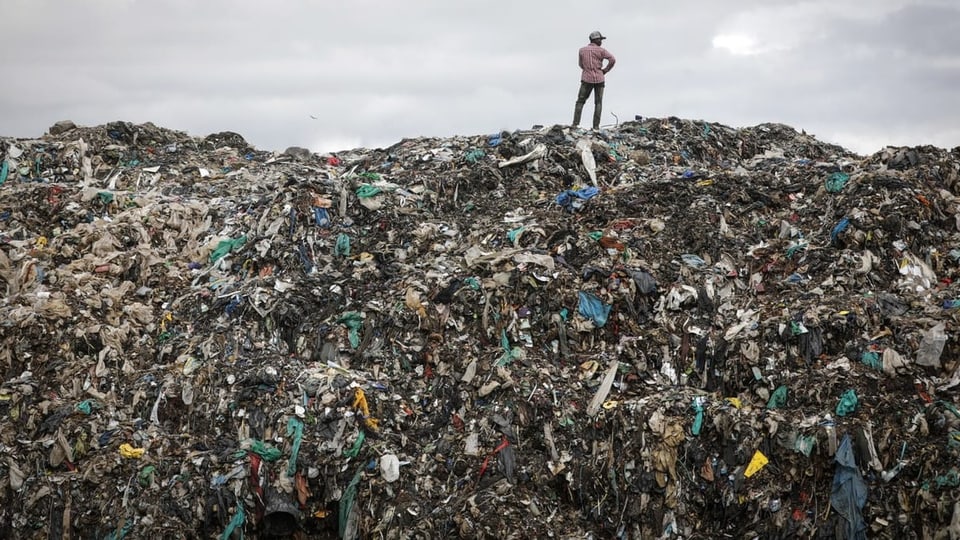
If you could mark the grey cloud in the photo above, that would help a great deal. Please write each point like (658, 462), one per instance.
(376, 71)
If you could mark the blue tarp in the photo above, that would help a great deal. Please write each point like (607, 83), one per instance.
(572, 200)
(849, 492)
(593, 308)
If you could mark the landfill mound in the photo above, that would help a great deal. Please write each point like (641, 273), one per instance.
(665, 329)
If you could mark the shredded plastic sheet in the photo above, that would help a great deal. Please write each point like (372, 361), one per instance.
(474, 155)
(321, 217)
(265, 451)
(838, 229)
(365, 191)
(849, 494)
(836, 181)
(87, 406)
(121, 532)
(698, 419)
(354, 450)
(236, 523)
(342, 248)
(347, 500)
(294, 429)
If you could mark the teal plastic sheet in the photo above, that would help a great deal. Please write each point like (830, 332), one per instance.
(86, 406)
(226, 246)
(778, 399)
(347, 500)
(848, 403)
(872, 359)
(342, 249)
(354, 450)
(698, 420)
(353, 321)
(265, 451)
(366, 191)
(474, 155)
(836, 181)
(235, 524)
(294, 429)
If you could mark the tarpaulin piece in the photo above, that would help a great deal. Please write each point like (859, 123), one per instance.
(593, 308)
(849, 494)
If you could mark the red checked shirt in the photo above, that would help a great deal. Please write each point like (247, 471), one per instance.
(591, 62)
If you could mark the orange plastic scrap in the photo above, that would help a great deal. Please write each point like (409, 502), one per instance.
(360, 404)
(923, 200)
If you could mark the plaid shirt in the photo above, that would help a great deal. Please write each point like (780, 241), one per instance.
(591, 62)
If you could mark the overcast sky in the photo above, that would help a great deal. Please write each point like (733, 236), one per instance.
(861, 73)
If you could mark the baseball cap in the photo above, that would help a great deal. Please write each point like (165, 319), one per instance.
(596, 35)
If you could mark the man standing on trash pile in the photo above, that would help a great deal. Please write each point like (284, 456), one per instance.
(591, 77)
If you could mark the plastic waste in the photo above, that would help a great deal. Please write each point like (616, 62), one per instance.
(593, 308)
(848, 403)
(849, 494)
(390, 467)
(931, 346)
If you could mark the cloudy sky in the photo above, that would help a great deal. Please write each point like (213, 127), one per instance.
(339, 74)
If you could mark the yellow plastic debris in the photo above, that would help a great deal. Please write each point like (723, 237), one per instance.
(610, 404)
(360, 403)
(735, 402)
(41, 242)
(757, 462)
(167, 317)
(128, 451)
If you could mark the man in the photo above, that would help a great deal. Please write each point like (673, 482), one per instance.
(591, 77)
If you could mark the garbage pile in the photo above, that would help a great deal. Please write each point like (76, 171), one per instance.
(666, 329)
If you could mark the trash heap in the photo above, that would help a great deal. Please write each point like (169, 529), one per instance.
(666, 329)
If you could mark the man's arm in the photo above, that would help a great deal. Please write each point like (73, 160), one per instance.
(580, 59)
(610, 61)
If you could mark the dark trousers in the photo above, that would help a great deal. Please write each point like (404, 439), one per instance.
(585, 89)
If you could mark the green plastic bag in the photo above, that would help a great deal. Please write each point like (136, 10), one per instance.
(236, 522)
(353, 321)
(226, 246)
(778, 399)
(848, 403)
(346, 501)
(366, 191)
(872, 359)
(267, 452)
(342, 249)
(294, 428)
(355, 449)
(836, 181)
(698, 420)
